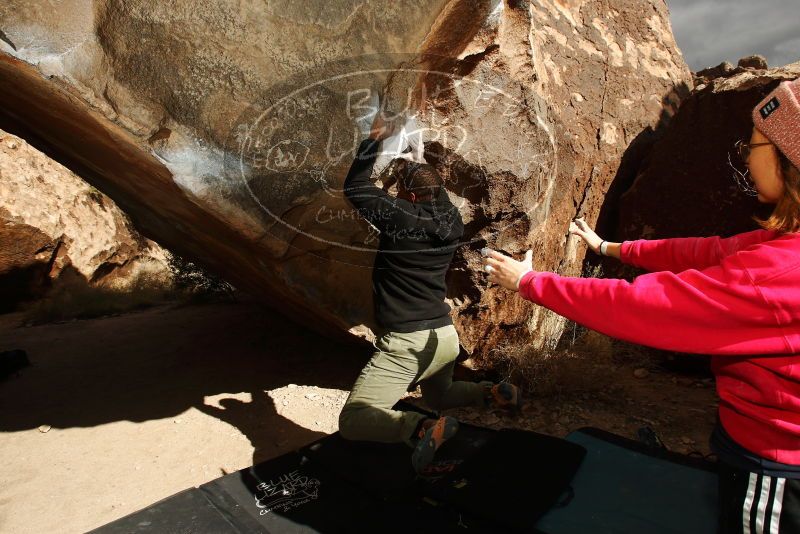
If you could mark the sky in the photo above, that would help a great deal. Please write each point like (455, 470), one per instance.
(712, 31)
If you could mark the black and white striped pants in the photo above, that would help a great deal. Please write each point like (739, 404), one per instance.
(753, 503)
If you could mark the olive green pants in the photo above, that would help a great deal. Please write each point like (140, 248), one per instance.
(426, 357)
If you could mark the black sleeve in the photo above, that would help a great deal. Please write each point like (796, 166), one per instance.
(372, 202)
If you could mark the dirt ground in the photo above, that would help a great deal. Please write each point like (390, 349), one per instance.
(118, 412)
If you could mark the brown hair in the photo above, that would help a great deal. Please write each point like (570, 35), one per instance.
(420, 178)
(785, 217)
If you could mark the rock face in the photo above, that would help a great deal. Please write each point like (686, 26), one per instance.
(755, 61)
(53, 223)
(225, 129)
(691, 166)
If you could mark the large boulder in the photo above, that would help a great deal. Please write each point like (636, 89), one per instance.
(53, 223)
(687, 186)
(225, 129)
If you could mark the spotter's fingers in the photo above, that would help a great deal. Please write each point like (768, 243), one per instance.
(493, 262)
(496, 255)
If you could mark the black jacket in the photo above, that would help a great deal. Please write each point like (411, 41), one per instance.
(416, 245)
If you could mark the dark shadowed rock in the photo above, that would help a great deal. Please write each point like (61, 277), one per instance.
(686, 188)
(26, 255)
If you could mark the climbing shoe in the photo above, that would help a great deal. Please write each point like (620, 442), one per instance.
(505, 396)
(430, 439)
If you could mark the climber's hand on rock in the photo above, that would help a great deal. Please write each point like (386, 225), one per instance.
(504, 270)
(580, 228)
(381, 129)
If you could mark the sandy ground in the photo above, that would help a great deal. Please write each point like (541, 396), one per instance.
(140, 406)
(143, 405)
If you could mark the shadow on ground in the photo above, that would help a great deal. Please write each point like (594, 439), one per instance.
(160, 362)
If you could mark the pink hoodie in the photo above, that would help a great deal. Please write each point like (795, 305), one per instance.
(737, 299)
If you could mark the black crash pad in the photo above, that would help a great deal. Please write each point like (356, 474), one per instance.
(483, 480)
(334, 485)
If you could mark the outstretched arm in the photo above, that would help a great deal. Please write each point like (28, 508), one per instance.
(713, 311)
(682, 253)
(674, 255)
(595, 243)
(373, 203)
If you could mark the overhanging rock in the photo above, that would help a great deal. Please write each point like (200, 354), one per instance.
(225, 129)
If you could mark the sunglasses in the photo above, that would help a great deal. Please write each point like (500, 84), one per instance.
(744, 149)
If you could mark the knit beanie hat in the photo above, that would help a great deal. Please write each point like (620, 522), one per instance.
(778, 117)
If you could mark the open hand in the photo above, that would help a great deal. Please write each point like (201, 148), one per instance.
(504, 270)
(580, 228)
